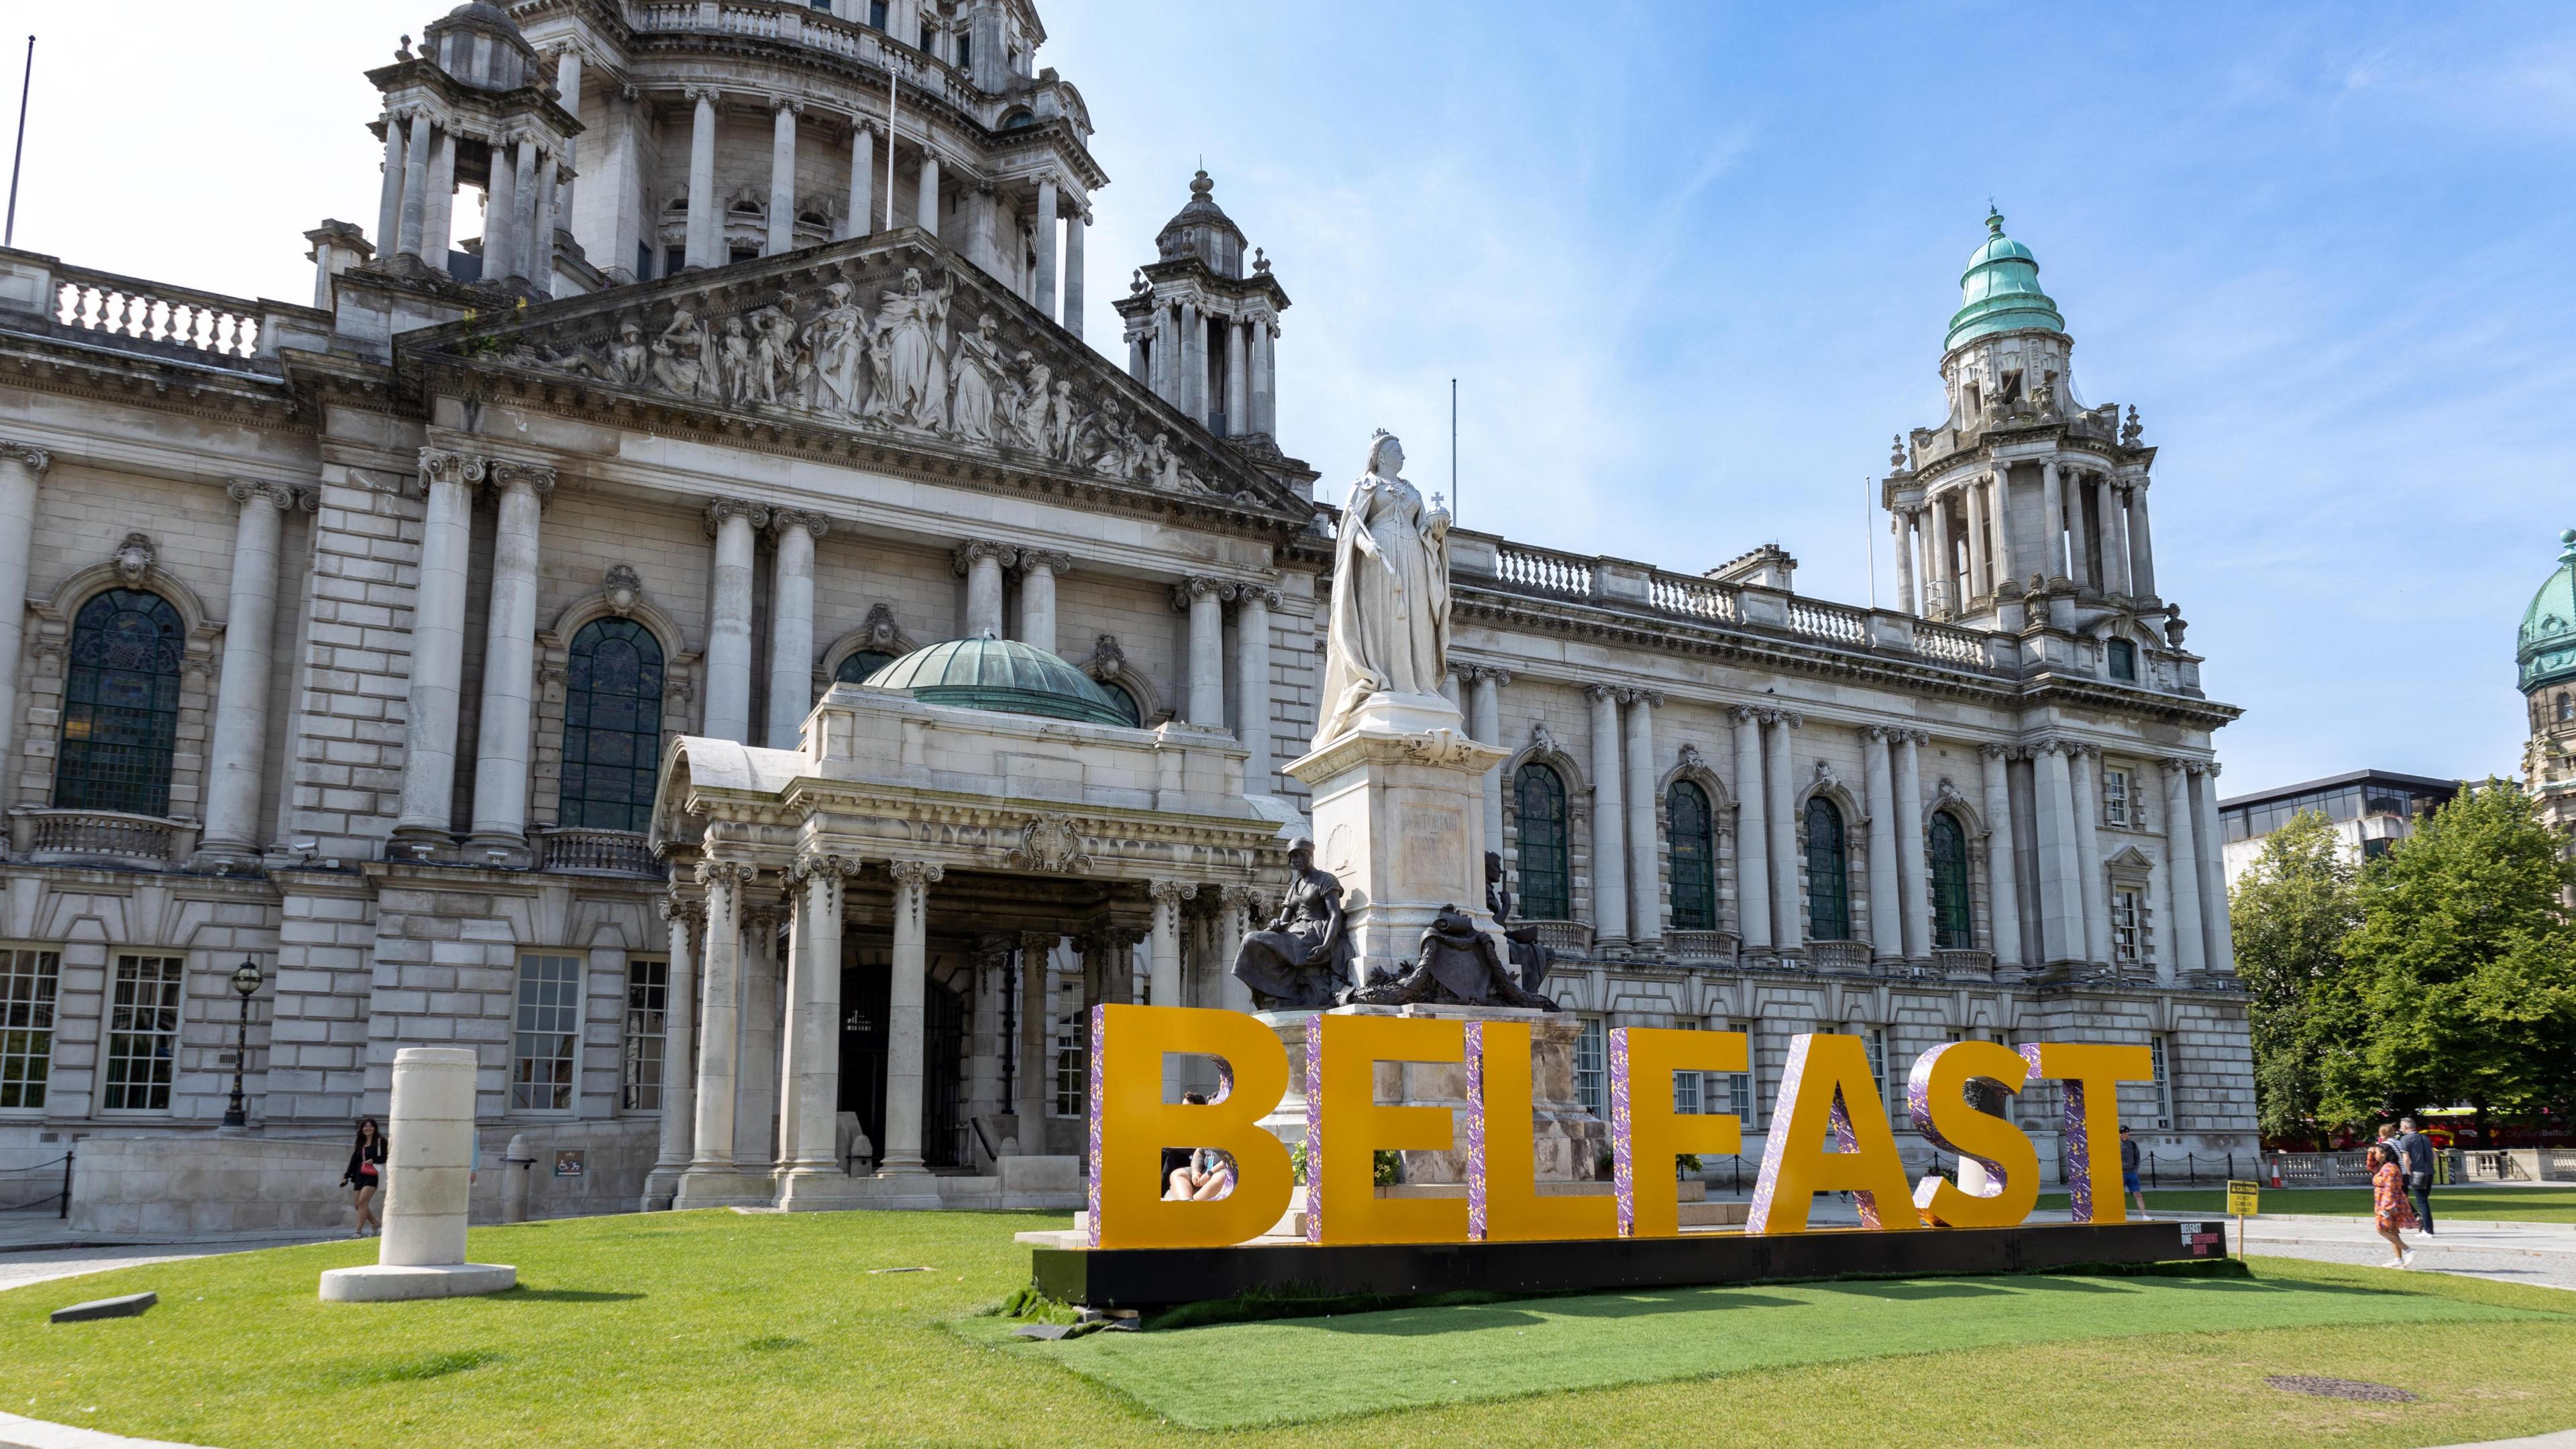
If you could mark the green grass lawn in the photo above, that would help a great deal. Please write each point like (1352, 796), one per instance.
(742, 1331)
(2469, 1204)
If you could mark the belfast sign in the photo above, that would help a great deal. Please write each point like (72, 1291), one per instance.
(1829, 1131)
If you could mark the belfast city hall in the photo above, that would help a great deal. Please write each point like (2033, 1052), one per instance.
(688, 613)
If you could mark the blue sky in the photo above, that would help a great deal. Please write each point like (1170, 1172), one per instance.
(1691, 266)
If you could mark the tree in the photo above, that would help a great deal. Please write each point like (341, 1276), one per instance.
(2461, 984)
(2290, 912)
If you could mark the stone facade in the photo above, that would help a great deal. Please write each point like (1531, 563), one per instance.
(354, 633)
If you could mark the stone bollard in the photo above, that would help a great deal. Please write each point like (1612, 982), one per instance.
(515, 1166)
(430, 1136)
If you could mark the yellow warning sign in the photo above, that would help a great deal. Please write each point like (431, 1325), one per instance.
(2241, 1199)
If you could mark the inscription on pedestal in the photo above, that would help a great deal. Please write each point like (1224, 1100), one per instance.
(1432, 858)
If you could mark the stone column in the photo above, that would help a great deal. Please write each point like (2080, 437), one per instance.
(1912, 867)
(2084, 784)
(1191, 389)
(1999, 509)
(1941, 581)
(568, 95)
(756, 1102)
(541, 270)
(1972, 501)
(1238, 384)
(1252, 683)
(711, 1177)
(1234, 922)
(2189, 951)
(1163, 959)
(1752, 834)
(900, 1153)
(926, 205)
(862, 218)
(1048, 223)
(2003, 894)
(1039, 569)
(241, 695)
(22, 467)
(1165, 362)
(791, 625)
(733, 523)
(2079, 530)
(1902, 525)
(706, 222)
(2142, 549)
(437, 653)
(1032, 1084)
(980, 562)
(1886, 919)
(510, 663)
(389, 203)
(679, 1034)
(2115, 537)
(1265, 365)
(438, 210)
(1485, 726)
(1073, 229)
(981, 204)
(1203, 599)
(1609, 814)
(415, 196)
(813, 1067)
(1788, 922)
(523, 213)
(2052, 503)
(2061, 901)
(2218, 938)
(1645, 874)
(782, 175)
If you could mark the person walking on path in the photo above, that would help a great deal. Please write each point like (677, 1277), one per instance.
(2415, 1155)
(365, 1178)
(2388, 1201)
(2129, 1170)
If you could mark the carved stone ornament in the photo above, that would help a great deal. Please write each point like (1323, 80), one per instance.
(1825, 775)
(134, 559)
(1946, 793)
(625, 588)
(1050, 843)
(883, 634)
(1107, 660)
(1691, 759)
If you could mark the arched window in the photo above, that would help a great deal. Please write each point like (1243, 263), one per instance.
(1694, 857)
(856, 668)
(1546, 865)
(2566, 707)
(1950, 926)
(121, 705)
(612, 742)
(1124, 702)
(1828, 873)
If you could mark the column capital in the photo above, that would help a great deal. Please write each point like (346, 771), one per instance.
(2050, 747)
(1053, 561)
(1262, 594)
(1041, 942)
(1171, 892)
(1995, 752)
(792, 105)
(726, 874)
(1744, 714)
(915, 873)
(680, 911)
(721, 510)
(537, 478)
(1878, 734)
(1484, 674)
(2179, 768)
(784, 519)
(1241, 897)
(1786, 718)
(1200, 586)
(442, 465)
(1601, 693)
(1911, 737)
(247, 491)
(2210, 768)
(964, 557)
(699, 93)
(1649, 698)
(36, 459)
(828, 865)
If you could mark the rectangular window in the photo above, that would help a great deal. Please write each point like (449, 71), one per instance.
(965, 55)
(544, 1050)
(2124, 926)
(143, 1033)
(673, 260)
(1588, 1073)
(877, 13)
(1072, 1067)
(1686, 1085)
(28, 980)
(2160, 1057)
(929, 38)
(2124, 660)
(1732, 1091)
(648, 1006)
(2115, 798)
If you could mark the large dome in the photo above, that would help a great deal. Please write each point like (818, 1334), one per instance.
(2546, 649)
(1003, 675)
(1999, 292)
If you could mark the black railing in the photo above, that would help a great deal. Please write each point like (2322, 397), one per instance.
(14, 1180)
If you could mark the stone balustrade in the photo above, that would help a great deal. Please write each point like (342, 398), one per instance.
(598, 852)
(111, 837)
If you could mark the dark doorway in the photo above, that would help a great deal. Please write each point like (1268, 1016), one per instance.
(865, 980)
(866, 990)
(943, 1071)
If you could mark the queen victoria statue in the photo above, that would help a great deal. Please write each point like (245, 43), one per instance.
(1389, 629)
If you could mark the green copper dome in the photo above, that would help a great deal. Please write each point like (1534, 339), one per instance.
(1002, 675)
(2547, 651)
(1999, 292)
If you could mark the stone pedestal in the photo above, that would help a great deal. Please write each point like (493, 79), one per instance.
(429, 1139)
(1570, 1140)
(1399, 810)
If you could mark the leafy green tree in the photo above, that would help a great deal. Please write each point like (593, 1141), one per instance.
(2290, 912)
(2461, 984)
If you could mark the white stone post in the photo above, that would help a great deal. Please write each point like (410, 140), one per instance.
(812, 1151)
(1073, 229)
(1194, 363)
(1238, 385)
(926, 216)
(568, 95)
(523, 215)
(510, 663)
(1886, 920)
(900, 1153)
(2061, 900)
(22, 467)
(2142, 549)
(429, 1172)
(1163, 961)
(415, 184)
(1609, 820)
(1265, 376)
(1999, 509)
(2080, 513)
(706, 222)
(1048, 223)
(1031, 1084)
(980, 562)
(1752, 835)
(1485, 726)
(241, 695)
(438, 224)
(2182, 870)
(1788, 921)
(1039, 569)
(1252, 684)
(1645, 873)
(2084, 784)
(711, 1178)
(791, 626)
(389, 202)
(862, 218)
(2002, 869)
(733, 523)
(679, 1035)
(1913, 881)
(541, 272)
(500, 215)
(756, 1101)
(782, 175)
(2216, 932)
(2115, 536)
(1203, 599)
(1972, 500)
(1902, 525)
(437, 652)
(2052, 503)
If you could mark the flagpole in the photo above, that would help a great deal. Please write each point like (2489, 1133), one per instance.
(1869, 541)
(891, 82)
(10, 238)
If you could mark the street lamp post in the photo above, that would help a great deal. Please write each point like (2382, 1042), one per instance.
(246, 979)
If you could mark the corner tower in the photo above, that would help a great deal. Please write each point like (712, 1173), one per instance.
(1201, 328)
(2545, 651)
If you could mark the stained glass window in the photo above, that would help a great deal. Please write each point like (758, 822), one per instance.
(1828, 873)
(1547, 876)
(121, 705)
(612, 726)
(856, 668)
(1950, 923)
(1694, 857)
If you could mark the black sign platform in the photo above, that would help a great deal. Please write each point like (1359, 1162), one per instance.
(1151, 1278)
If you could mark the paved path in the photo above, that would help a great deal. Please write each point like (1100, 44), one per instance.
(40, 1250)
(2540, 1253)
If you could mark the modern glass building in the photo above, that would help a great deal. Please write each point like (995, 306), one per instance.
(2371, 809)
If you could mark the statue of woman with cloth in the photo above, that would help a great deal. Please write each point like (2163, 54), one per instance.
(1389, 630)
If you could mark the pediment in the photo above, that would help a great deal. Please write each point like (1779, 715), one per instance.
(893, 340)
